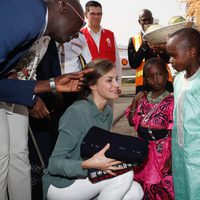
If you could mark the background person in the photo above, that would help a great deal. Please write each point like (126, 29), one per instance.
(140, 51)
(101, 41)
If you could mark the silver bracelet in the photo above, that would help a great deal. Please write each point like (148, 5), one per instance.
(52, 84)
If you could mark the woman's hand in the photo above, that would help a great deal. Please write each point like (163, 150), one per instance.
(101, 162)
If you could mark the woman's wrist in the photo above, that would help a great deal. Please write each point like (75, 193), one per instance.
(84, 164)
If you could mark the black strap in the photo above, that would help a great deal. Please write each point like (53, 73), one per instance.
(82, 61)
(158, 134)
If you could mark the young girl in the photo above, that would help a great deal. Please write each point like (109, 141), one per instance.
(151, 115)
(66, 176)
(184, 50)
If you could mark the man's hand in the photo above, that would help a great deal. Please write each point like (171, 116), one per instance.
(39, 110)
(158, 48)
(71, 82)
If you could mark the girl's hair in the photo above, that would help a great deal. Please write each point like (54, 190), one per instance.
(101, 67)
(160, 63)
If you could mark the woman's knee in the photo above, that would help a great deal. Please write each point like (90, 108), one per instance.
(124, 180)
(135, 192)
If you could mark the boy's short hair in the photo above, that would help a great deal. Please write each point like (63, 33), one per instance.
(189, 37)
(92, 3)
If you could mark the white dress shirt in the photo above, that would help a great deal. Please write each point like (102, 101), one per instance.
(72, 50)
(96, 37)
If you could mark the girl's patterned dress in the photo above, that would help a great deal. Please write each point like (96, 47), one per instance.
(154, 122)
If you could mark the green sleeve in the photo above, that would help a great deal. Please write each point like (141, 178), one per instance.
(65, 160)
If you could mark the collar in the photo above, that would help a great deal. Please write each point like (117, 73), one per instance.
(142, 32)
(45, 24)
(91, 31)
(95, 111)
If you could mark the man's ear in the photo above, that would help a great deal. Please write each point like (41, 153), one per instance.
(193, 52)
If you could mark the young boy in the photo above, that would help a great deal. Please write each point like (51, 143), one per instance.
(184, 50)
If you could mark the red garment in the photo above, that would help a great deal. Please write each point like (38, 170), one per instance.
(107, 45)
(155, 174)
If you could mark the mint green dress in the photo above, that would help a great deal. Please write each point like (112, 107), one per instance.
(186, 137)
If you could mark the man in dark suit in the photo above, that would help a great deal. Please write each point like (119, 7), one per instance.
(45, 124)
(58, 59)
(22, 23)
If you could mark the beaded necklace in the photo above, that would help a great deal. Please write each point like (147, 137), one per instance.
(157, 99)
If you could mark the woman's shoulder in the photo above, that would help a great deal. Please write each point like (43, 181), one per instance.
(77, 108)
(82, 104)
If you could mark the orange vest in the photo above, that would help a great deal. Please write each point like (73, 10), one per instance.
(107, 45)
(137, 41)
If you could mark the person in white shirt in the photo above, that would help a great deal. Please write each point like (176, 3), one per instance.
(101, 42)
(72, 51)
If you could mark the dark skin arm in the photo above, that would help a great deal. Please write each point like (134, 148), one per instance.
(135, 58)
(145, 52)
(133, 107)
(71, 82)
(39, 110)
(160, 50)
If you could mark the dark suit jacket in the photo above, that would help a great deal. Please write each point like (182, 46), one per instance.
(22, 22)
(56, 103)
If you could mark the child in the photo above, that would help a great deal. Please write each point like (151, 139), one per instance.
(151, 115)
(184, 50)
(66, 176)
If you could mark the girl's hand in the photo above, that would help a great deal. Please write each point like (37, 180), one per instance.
(139, 95)
(133, 107)
(101, 162)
